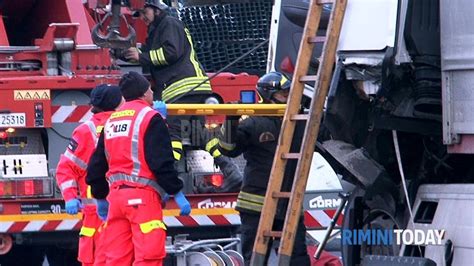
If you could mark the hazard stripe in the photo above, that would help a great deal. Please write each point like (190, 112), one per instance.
(331, 214)
(62, 114)
(86, 117)
(203, 220)
(4, 226)
(67, 225)
(187, 221)
(171, 221)
(77, 114)
(234, 219)
(70, 113)
(50, 226)
(34, 226)
(37, 217)
(310, 221)
(17, 227)
(219, 219)
(216, 211)
(320, 216)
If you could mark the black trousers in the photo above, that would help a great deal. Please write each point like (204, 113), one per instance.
(249, 228)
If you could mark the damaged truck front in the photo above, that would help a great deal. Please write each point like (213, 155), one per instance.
(400, 122)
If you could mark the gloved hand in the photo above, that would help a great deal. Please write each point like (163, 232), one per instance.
(183, 203)
(102, 209)
(160, 107)
(73, 206)
(212, 147)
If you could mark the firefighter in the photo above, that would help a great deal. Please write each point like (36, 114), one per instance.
(257, 138)
(71, 173)
(169, 56)
(135, 157)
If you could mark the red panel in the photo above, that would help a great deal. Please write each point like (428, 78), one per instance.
(219, 220)
(187, 221)
(3, 33)
(50, 226)
(17, 227)
(9, 103)
(77, 14)
(228, 85)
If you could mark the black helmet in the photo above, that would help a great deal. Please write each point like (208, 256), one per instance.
(271, 83)
(156, 3)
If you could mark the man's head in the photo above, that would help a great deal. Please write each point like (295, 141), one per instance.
(105, 97)
(273, 87)
(135, 86)
(151, 9)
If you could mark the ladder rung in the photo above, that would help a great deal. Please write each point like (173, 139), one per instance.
(299, 117)
(322, 2)
(276, 234)
(317, 39)
(309, 78)
(285, 195)
(291, 156)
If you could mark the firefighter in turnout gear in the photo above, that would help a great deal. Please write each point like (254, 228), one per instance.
(71, 173)
(132, 164)
(257, 138)
(169, 56)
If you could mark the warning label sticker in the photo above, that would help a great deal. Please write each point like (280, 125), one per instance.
(31, 95)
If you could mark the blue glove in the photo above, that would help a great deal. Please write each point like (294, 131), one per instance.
(183, 203)
(102, 209)
(73, 206)
(160, 107)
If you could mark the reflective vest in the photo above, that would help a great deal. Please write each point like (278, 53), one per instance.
(123, 138)
(72, 167)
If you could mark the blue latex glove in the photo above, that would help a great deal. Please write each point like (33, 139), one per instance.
(183, 203)
(73, 206)
(160, 107)
(102, 209)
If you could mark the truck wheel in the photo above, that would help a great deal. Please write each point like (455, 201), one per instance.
(379, 216)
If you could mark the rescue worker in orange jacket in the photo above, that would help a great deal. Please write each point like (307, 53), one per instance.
(134, 154)
(71, 173)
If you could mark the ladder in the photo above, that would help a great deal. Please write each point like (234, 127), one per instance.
(226, 109)
(313, 120)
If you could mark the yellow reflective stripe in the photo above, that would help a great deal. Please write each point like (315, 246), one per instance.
(161, 56)
(216, 153)
(249, 205)
(154, 58)
(251, 197)
(177, 155)
(169, 94)
(173, 90)
(87, 231)
(210, 144)
(151, 225)
(226, 146)
(177, 144)
(89, 192)
(188, 81)
(192, 55)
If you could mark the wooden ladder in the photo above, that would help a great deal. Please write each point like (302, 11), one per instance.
(313, 121)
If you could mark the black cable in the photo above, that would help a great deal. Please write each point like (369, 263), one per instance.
(221, 70)
(59, 134)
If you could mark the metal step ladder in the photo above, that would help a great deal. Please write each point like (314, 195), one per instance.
(313, 120)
